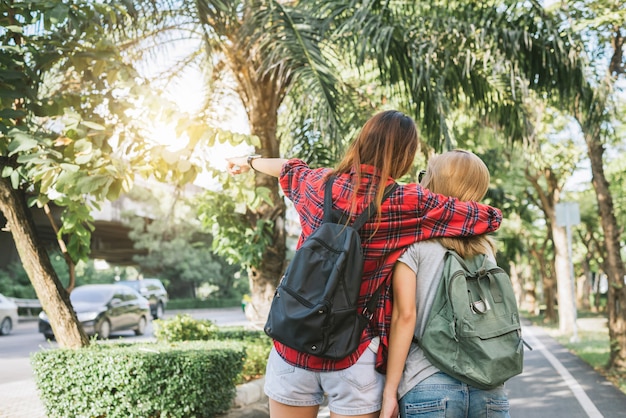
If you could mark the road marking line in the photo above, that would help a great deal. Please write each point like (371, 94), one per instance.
(572, 383)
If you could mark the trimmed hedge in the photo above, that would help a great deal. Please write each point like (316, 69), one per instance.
(258, 347)
(185, 328)
(147, 380)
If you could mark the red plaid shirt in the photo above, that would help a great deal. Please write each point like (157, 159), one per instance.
(410, 214)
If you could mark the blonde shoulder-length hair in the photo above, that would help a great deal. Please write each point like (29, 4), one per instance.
(461, 174)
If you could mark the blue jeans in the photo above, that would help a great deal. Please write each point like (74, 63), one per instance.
(442, 396)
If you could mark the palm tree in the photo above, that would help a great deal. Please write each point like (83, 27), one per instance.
(430, 56)
(264, 50)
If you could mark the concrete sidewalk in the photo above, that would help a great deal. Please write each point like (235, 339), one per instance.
(555, 384)
(20, 400)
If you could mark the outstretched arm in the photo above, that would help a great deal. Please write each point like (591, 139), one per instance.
(269, 166)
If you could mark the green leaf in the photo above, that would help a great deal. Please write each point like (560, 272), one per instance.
(91, 184)
(14, 28)
(11, 113)
(82, 158)
(7, 171)
(22, 142)
(15, 179)
(72, 168)
(58, 14)
(93, 125)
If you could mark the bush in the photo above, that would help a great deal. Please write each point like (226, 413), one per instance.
(139, 380)
(184, 328)
(258, 347)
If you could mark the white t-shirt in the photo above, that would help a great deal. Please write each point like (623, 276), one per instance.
(425, 258)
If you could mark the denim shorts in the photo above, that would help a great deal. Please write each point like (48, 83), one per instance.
(442, 396)
(353, 391)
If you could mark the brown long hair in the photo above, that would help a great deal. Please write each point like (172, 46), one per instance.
(387, 141)
(461, 174)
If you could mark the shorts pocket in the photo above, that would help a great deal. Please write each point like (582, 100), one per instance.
(426, 409)
(279, 366)
(498, 408)
(362, 374)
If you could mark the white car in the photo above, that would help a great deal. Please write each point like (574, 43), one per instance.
(8, 315)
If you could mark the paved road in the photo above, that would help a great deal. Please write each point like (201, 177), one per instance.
(557, 384)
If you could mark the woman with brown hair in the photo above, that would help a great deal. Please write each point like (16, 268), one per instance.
(384, 150)
(418, 384)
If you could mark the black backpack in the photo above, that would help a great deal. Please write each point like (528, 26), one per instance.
(315, 307)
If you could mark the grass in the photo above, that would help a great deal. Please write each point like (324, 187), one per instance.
(592, 346)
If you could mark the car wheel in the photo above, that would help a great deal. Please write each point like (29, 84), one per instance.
(6, 326)
(105, 330)
(49, 336)
(159, 311)
(141, 326)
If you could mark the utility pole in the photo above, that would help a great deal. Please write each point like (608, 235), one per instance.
(568, 214)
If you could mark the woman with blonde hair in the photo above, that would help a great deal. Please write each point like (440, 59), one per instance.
(411, 378)
(384, 150)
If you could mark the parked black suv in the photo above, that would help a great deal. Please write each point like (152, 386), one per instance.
(154, 291)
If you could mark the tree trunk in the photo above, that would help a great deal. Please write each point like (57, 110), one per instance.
(613, 264)
(549, 197)
(262, 108)
(53, 298)
(584, 286)
(547, 283)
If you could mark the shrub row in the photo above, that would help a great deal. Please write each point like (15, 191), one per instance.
(186, 379)
(185, 328)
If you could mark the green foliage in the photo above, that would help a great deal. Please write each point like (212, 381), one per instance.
(241, 239)
(14, 281)
(177, 249)
(258, 347)
(139, 380)
(56, 144)
(184, 328)
(441, 55)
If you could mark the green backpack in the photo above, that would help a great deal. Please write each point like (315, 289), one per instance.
(473, 332)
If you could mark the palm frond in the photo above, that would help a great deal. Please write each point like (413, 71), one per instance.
(291, 44)
(485, 55)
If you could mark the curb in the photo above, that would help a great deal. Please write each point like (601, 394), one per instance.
(249, 393)
(250, 401)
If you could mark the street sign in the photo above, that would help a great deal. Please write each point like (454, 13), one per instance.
(567, 214)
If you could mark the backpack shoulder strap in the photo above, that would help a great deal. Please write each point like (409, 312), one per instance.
(452, 253)
(363, 217)
(473, 268)
(328, 199)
